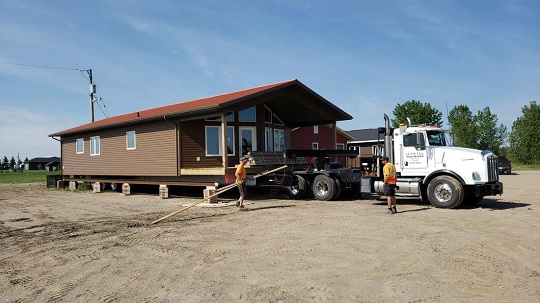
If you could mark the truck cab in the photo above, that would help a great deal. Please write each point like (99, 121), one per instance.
(445, 175)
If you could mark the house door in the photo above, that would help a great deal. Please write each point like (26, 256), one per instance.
(248, 139)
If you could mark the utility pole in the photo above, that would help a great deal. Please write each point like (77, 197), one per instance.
(92, 89)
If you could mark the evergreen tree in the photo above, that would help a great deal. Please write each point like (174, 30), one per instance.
(5, 163)
(12, 163)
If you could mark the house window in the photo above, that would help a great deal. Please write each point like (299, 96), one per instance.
(340, 146)
(279, 139)
(315, 145)
(377, 150)
(130, 140)
(247, 139)
(79, 146)
(277, 121)
(268, 139)
(247, 115)
(213, 141)
(94, 146)
(267, 115)
(316, 129)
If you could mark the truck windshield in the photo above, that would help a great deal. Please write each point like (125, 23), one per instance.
(437, 138)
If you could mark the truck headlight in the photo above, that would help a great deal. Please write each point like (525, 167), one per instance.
(476, 176)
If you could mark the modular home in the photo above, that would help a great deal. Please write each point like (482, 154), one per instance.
(196, 141)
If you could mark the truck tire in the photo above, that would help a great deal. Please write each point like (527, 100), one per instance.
(445, 192)
(324, 188)
(299, 190)
(337, 193)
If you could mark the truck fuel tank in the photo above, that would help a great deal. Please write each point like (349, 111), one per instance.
(404, 187)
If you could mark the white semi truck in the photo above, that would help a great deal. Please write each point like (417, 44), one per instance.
(428, 167)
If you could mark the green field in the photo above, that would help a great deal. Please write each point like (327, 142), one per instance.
(29, 176)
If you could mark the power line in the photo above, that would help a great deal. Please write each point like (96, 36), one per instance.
(93, 89)
(42, 66)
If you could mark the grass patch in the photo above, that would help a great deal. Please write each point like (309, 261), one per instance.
(27, 176)
(518, 166)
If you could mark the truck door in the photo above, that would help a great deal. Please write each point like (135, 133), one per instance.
(414, 153)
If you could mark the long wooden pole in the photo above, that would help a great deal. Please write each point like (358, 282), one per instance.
(222, 190)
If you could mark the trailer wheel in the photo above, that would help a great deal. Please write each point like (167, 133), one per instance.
(299, 190)
(338, 191)
(445, 192)
(324, 188)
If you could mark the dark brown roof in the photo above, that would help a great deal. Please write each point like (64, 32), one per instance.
(366, 135)
(293, 102)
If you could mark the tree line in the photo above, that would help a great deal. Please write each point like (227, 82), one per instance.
(11, 164)
(481, 130)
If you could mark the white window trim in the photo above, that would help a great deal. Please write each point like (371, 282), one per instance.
(77, 146)
(95, 140)
(220, 147)
(134, 140)
(315, 129)
(271, 115)
(315, 145)
(277, 120)
(254, 139)
(340, 144)
(268, 139)
(281, 133)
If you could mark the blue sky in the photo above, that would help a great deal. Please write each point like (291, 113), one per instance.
(363, 56)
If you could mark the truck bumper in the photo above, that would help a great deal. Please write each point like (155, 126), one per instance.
(488, 189)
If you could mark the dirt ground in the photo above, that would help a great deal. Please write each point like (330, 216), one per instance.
(62, 246)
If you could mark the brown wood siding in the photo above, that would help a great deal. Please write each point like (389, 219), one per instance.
(155, 153)
(192, 145)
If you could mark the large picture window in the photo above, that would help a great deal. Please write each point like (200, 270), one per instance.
(79, 146)
(94, 146)
(213, 141)
(131, 142)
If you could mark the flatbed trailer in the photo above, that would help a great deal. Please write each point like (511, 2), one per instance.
(324, 179)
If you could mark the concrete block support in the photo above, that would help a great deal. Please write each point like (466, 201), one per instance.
(126, 189)
(96, 187)
(164, 191)
(210, 190)
(72, 185)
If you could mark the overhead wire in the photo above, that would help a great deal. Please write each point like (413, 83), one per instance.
(68, 68)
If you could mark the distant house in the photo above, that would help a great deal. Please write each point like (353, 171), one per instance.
(324, 136)
(368, 142)
(49, 164)
(196, 140)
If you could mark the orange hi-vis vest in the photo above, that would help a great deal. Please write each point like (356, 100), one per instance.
(390, 170)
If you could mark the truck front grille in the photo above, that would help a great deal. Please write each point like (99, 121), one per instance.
(493, 168)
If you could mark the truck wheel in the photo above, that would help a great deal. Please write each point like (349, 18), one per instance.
(445, 192)
(338, 191)
(324, 188)
(299, 190)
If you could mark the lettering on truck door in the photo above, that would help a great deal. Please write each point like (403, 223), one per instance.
(414, 151)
